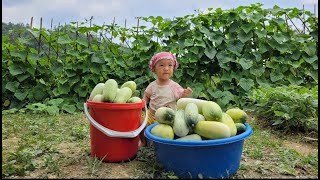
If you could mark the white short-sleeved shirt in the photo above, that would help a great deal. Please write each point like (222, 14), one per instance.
(166, 95)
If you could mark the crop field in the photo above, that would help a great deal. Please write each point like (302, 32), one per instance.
(38, 146)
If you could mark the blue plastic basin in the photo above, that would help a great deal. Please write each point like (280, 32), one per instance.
(218, 158)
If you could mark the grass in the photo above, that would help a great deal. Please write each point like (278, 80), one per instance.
(41, 146)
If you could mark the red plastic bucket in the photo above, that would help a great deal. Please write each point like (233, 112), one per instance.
(114, 129)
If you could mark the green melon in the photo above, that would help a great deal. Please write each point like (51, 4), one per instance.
(238, 115)
(211, 111)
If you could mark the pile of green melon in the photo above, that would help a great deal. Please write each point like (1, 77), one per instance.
(197, 119)
(111, 93)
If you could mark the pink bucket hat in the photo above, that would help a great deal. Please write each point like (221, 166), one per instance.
(160, 56)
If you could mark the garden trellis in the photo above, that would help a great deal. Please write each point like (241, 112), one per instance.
(222, 55)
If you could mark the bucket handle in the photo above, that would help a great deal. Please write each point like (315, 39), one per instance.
(112, 133)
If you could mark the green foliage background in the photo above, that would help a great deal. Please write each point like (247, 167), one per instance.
(222, 55)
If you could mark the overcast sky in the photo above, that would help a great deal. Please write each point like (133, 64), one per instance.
(103, 11)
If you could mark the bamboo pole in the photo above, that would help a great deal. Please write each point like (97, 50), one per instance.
(39, 42)
(58, 38)
(31, 22)
(114, 20)
(304, 25)
(65, 30)
(138, 27)
(50, 36)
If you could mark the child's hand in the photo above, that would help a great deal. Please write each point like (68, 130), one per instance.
(187, 92)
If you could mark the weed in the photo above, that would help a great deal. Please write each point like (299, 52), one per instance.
(93, 163)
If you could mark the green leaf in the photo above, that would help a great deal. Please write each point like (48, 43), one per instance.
(217, 94)
(234, 27)
(245, 63)
(276, 76)
(178, 73)
(191, 72)
(281, 22)
(263, 47)
(64, 89)
(81, 90)
(263, 82)
(182, 29)
(22, 77)
(57, 68)
(39, 92)
(33, 58)
(279, 37)
(310, 49)
(243, 16)
(188, 42)
(12, 86)
(296, 55)
(64, 39)
(205, 31)
(256, 17)
(82, 42)
(36, 34)
(244, 37)
(55, 102)
(37, 107)
(246, 84)
(70, 72)
(73, 80)
(20, 54)
(227, 95)
(226, 77)
(15, 69)
(312, 73)
(295, 80)
(96, 68)
(96, 59)
(200, 43)
(225, 66)
(74, 53)
(120, 62)
(272, 64)
(194, 49)
(314, 34)
(26, 41)
(257, 71)
(52, 110)
(261, 33)
(145, 45)
(247, 27)
(295, 64)
(21, 94)
(217, 40)
(274, 44)
(181, 43)
(236, 47)
(283, 48)
(69, 108)
(309, 59)
(210, 52)
(41, 81)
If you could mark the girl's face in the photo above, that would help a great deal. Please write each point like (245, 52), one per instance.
(164, 69)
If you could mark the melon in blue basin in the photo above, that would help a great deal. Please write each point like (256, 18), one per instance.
(218, 158)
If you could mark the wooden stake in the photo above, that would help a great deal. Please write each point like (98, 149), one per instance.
(31, 22)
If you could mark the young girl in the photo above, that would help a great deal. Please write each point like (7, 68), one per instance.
(163, 91)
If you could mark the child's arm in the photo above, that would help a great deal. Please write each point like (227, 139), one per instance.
(145, 98)
(186, 92)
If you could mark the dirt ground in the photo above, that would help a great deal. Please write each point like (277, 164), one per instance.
(134, 169)
(77, 163)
